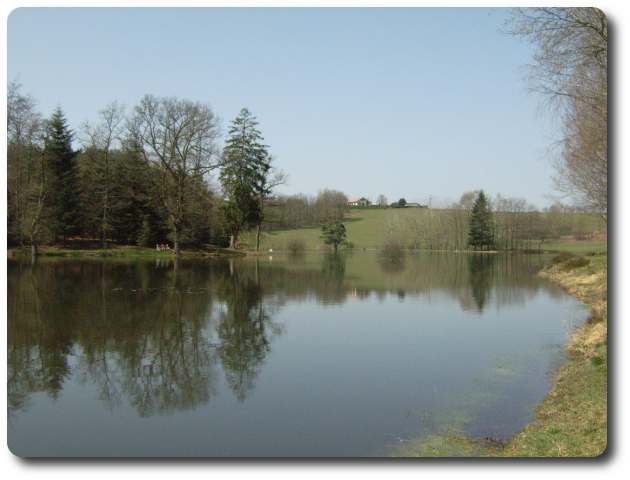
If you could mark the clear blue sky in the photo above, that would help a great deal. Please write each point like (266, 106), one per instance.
(412, 102)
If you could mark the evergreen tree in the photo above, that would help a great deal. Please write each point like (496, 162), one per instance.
(64, 198)
(480, 224)
(246, 164)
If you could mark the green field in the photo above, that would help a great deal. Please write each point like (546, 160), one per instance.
(579, 247)
(365, 229)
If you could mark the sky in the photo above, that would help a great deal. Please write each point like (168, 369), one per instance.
(417, 103)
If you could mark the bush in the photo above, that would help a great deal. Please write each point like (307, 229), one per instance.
(296, 245)
(562, 257)
(574, 263)
(392, 250)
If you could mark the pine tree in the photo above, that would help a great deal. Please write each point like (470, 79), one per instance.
(480, 224)
(244, 176)
(64, 198)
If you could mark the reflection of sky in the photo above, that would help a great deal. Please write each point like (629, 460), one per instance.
(341, 379)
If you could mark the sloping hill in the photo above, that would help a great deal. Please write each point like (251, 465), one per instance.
(363, 229)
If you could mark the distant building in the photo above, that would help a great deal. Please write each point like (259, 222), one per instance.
(361, 201)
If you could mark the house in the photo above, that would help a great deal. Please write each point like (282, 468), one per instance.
(361, 201)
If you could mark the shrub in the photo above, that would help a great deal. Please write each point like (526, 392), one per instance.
(392, 250)
(574, 263)
(296, 245)
(562, 257)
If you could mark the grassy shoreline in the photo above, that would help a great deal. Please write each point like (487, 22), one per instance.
(125, 251)
(572, 420)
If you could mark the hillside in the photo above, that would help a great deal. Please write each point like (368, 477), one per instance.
(367, 229)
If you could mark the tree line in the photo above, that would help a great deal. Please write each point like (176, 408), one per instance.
(139, 178)
(300, 210)
(480, 222)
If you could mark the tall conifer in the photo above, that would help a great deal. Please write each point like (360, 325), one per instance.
(64, 199)
(480, 234)
(243, 176)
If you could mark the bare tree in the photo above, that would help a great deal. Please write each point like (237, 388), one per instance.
(27, 173)
(176, 139)
(99, 141)
(270, 180)
(330, 205)
(570, 71)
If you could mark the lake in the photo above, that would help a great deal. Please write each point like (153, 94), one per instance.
(315, 355)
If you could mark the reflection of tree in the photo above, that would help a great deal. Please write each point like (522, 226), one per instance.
(144, 332)
(391, 257)
(169, 365)
(242, 330)
(39, 343)
(481, 271)
(330, 288)
(334, 265)
(137, 331)
(391, 264)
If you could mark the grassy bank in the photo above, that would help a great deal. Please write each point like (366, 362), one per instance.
(572, 419)
(87, 249)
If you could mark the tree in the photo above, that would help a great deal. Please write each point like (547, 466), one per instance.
(267, 199)
(99, 141)
(64, 197)
(244, 176)
(381, 200)
(27, 170)
(570, 71)
(330, 205)
(480, 224)
(334, 233)
(176, 140)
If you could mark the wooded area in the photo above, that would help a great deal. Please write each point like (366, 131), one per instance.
(157, 175)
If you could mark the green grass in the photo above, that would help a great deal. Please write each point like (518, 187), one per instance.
(365, 230)
(578, 247)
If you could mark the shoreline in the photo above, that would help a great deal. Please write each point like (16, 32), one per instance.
(124, 252)
(572, 420)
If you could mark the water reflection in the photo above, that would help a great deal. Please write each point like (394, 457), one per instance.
(391, 264)
(243, 328)
(162, 335)
(481, 274)
(141, 331)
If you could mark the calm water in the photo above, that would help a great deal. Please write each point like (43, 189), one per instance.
(318, 355)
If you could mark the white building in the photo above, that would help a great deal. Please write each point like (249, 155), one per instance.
(361, 201)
